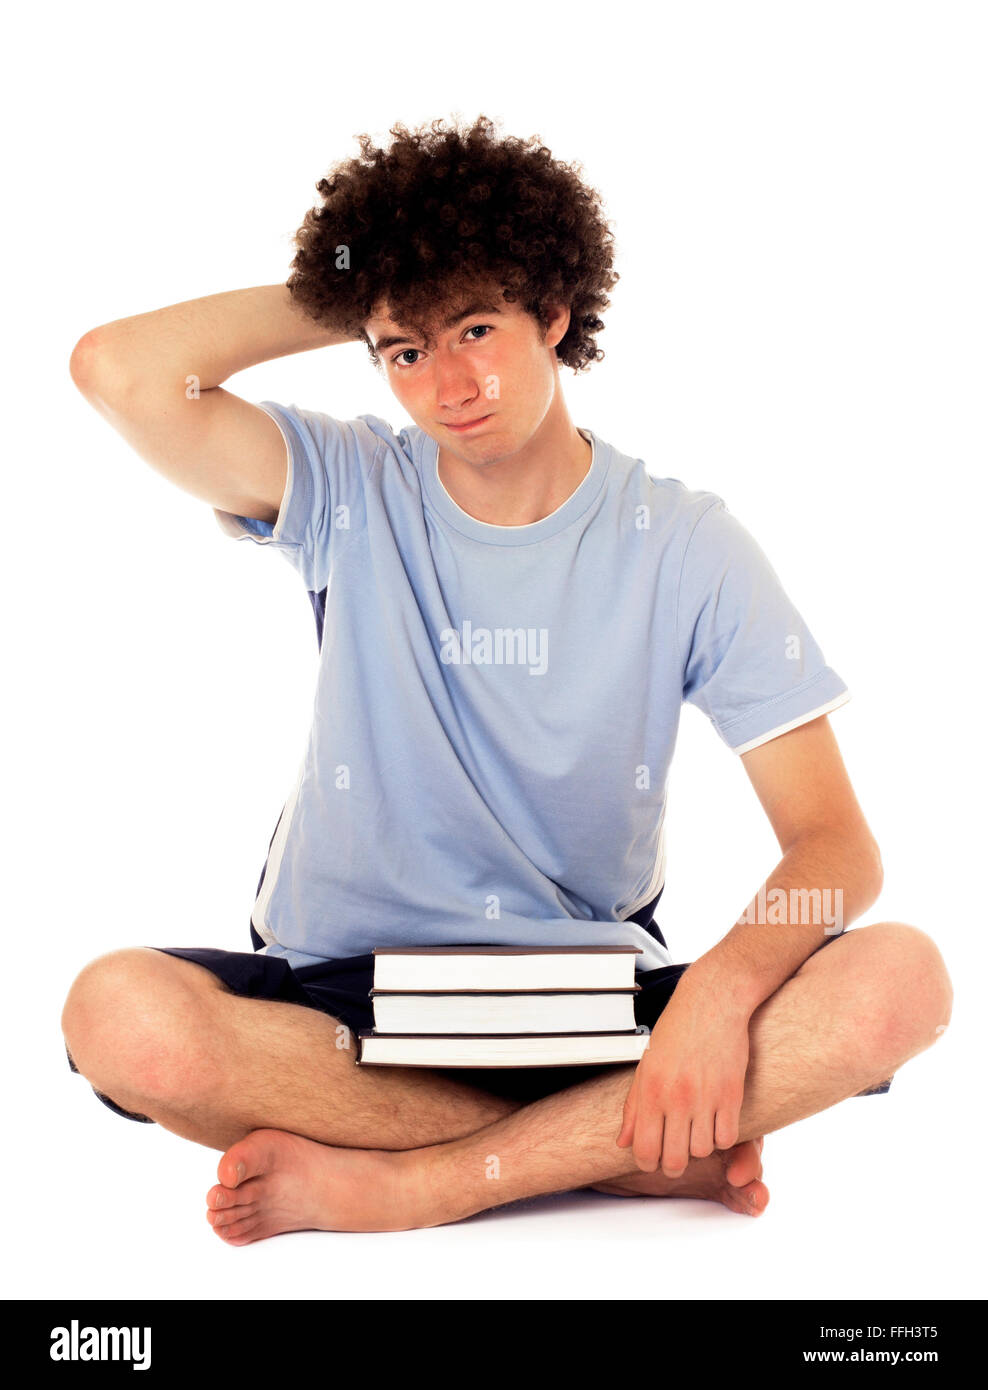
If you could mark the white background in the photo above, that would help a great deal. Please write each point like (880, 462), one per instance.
(797, 192)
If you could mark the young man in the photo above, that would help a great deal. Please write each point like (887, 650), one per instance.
(510, 614)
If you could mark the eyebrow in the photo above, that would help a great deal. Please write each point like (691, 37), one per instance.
(393, 340)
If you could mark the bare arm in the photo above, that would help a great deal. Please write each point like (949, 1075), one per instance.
(831, 869)
(688, 1089)
(136, 372)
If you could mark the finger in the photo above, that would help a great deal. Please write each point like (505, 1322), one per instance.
(702, 1135)
(648, 1139)
(676, 1145)
(726, 1127)
(630, 1112)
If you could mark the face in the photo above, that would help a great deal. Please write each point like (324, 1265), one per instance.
(486, 366)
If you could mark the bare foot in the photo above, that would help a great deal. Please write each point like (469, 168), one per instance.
(730, 1176)
(273, 1181)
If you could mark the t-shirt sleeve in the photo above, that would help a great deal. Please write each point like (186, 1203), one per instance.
(325, 457)
(749, 661)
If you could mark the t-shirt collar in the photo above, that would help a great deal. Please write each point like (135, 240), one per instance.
(564, 515)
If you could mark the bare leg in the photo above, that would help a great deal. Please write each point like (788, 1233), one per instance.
(851, 1015)
(164, 1037)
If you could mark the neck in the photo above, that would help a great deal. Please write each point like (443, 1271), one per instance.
(523, 486)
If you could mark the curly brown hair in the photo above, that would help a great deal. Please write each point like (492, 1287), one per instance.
(443, 211)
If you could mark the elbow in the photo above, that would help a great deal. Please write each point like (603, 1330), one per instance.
(95, 373)
(874, 873)
(856, 856)
(82, 363)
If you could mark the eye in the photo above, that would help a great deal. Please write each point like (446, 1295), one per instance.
(483, 328)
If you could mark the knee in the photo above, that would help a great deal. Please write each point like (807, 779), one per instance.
(129, 1025)
(909, 981)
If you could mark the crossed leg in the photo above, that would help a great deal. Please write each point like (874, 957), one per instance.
(332, 1147)
(164, 1037)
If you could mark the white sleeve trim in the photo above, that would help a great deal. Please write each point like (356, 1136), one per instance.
(835, 703)
(228, 522)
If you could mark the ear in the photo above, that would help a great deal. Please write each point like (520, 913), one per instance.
(559, 319)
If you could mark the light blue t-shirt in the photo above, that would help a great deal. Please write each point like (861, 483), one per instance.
(496, 707)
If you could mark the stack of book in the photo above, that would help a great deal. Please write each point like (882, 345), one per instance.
(503, 1006)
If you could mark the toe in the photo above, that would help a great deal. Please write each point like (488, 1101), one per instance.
(232, 1167)
(240, 1232)
(229, 1218)
(744, 1164)
(750, 1200)
(248, 1158)
(222, 1198)
(755, 1197)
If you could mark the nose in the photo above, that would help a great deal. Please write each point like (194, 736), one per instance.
(456, 385)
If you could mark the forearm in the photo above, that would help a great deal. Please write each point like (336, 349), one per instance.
(824, 881)
(211, 338)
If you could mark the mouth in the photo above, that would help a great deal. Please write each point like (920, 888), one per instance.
(469, 425)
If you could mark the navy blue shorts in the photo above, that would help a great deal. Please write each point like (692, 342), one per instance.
(341, 988)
